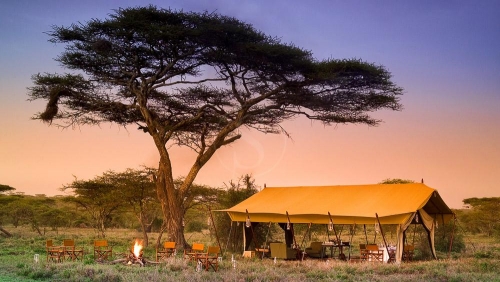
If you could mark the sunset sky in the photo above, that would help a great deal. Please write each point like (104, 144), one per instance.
(445, 54)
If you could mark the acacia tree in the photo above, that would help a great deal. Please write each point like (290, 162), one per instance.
(482, 216)
(136, 191)
(192, 79)
(3, 204)
(98, 197)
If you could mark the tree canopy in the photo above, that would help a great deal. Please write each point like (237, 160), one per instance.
(192, 79)
(6, 188)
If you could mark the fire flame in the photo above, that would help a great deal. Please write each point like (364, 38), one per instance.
(137, 248)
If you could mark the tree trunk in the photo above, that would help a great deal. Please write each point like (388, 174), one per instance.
(160, 234)
(171, 204)
(145, 239)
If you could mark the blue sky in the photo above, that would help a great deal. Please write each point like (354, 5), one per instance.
(445, 54)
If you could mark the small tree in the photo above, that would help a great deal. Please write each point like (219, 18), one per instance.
(6, 188)
(482, 216)
(396, 181)
(193, 79)
(4, 200)
(235, 193)
(136, 190)
(98, 197)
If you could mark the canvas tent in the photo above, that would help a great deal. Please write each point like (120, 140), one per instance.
(399, 204)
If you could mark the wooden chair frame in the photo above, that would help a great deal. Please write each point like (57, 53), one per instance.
(374, 254)
(408, 251)
(54, 253)
(102, 251)
(196, 249)
(363, 252)
(70, 251)
(210, 259)
(165, 251)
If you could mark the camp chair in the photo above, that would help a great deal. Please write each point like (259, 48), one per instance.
(210, 258)
(314, 250)
(374, 254)
(195, 250)
(101, 250)
(363, 252)
(408, 251)
(54, 253)
(165, 251)
(70, 251)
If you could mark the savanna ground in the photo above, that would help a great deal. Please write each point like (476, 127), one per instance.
(479, 262)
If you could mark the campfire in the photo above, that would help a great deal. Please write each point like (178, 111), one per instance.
(136, 255)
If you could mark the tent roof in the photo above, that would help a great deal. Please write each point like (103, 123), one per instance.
(394, 204)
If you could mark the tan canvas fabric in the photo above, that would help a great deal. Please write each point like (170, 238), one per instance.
(352, 204)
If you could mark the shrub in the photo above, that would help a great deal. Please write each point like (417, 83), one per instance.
(195, 226)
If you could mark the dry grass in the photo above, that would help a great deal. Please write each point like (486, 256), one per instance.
(478, 263)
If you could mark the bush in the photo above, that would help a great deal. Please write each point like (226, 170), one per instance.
(195, 226)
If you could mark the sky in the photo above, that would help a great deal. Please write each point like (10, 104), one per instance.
(445, 54)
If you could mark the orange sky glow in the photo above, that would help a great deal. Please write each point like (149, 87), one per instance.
(447, 134)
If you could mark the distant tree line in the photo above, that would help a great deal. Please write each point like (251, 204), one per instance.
(125, 199)
(128, 200)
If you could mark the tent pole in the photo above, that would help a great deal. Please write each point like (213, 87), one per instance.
(333, 225)
(383, 237)
(452, 235)
(251, 228)
(291, 226)
(215, 229)
(336, 236)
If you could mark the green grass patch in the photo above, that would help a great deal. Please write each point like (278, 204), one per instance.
(478, 263)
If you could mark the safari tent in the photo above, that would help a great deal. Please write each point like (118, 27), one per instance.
(399, 204)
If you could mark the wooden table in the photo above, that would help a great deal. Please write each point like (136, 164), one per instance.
(332, 245)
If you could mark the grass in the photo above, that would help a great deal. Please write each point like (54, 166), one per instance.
(480, 263)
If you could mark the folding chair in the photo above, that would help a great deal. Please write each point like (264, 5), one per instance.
(70, 251)
(363, 252)
(165, 251)
(374, 254)
(210, 258)
(101, 250)
(408, 251)
(196, 249)
(54, 253)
